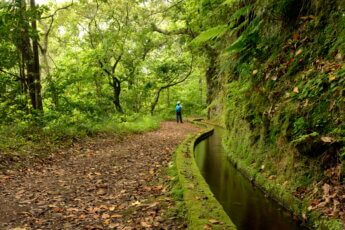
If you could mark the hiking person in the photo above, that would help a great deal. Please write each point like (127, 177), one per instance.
(178, 110)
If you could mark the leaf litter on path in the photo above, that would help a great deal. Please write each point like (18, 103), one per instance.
(104, 182)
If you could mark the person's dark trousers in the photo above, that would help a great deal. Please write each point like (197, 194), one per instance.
(179, 117)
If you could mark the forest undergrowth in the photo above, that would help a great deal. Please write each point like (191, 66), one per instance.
(28, 140)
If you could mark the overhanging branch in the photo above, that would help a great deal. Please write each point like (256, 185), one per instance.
(11, 74)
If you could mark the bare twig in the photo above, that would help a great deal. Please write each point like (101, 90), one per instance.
(57, 10)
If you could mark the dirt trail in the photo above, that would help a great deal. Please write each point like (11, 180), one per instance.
(101, 183)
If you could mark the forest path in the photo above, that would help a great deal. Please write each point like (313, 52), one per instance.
(99, 183)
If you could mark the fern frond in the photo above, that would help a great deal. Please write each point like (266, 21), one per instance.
(209, 34)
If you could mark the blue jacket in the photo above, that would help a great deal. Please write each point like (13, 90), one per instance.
(178, 108)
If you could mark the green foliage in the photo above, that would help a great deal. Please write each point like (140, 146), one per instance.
(21, 138)
(78, 80)
(299, 126)
(247, 42)
(282, 65)
(212, 33)
(286, 9)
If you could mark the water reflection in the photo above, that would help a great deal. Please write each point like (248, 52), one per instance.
(247, 206)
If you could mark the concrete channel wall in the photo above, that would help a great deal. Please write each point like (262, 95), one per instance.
(203, 210)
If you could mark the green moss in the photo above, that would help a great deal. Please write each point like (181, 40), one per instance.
(203, 210)
(280, 162)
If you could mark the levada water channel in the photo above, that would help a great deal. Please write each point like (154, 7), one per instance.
(246, 205)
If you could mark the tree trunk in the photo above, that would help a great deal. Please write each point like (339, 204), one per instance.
(44, 52)
(168, 98)
(36, 64)
(30, 68)
(117, 91)
(155, 102)
(30, 59)
(53, 89)
(23, 84)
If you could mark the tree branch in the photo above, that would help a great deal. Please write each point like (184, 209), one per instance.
(182, 31)
(183, 79)
(11, 74)
(103, 68)
(115, 64)
(170, 84)
(57, 10)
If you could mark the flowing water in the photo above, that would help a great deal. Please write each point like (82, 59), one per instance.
(245, 204)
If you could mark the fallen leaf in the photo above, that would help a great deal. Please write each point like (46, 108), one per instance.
(331, 77)
(72, 210)
(159, 187)
(213, 221)
(296, 90)
(207, 227)
(146, 188)
(20, 192)
(105, 216)
(153, 204)
(145, 225)
(327, 139)
(298, 52)
(103, 206)
(326, 187)
(190, 186)
(114, 225)
(101, 192)
(295, 36)
(116, 216)
(272, 177)
(339, 57)
(111, 208)
(136, 203)
(304, 216)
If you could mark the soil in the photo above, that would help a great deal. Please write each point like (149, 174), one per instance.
(103, 182)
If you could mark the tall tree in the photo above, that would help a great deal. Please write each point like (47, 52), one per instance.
(26, 40)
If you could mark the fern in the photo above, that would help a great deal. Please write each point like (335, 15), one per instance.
(209, 34)
(248, 38)
(241, 12)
